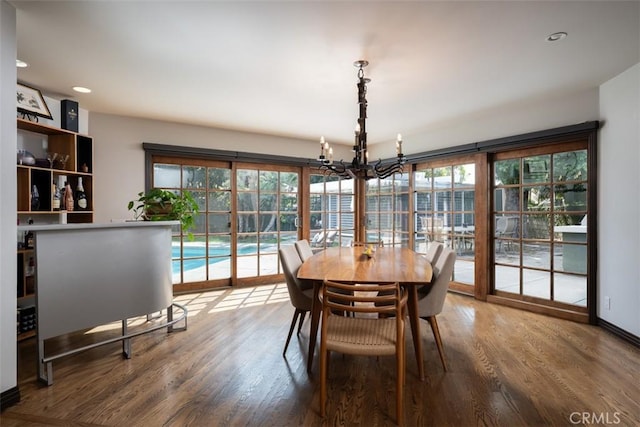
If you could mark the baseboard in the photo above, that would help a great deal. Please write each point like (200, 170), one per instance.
(9, 398)
(620, 333)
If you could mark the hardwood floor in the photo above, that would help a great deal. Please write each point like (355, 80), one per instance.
(506, 368)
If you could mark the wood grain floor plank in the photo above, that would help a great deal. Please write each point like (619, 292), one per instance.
(506, 368)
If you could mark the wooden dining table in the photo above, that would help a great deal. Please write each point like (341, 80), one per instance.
(349, 264)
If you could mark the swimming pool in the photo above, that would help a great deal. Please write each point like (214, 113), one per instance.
(195, 255)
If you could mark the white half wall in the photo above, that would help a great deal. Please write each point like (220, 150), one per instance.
(8, 207)
(619, 202)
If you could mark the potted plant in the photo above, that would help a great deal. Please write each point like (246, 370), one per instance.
(165, 205)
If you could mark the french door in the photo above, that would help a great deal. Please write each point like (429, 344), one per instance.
(539, 218)
(246, 212)
(445, 211)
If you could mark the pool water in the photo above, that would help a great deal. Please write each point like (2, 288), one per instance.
(194, 256)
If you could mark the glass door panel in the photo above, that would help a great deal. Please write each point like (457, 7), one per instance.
(540, 231)
(206, 255)
(444, 210)
(332, 205)
(267, 217)
(387, 210)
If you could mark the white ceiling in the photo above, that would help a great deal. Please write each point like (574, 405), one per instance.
(285, 68)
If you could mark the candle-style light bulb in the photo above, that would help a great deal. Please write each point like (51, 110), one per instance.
(399, 145)
(331, 154)
(322, 147)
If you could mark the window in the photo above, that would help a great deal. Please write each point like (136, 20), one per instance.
(387, 210)
(540, 240)
(444, 198)
(331, 211)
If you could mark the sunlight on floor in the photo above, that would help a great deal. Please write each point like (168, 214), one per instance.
(215, 301)
(251, 297)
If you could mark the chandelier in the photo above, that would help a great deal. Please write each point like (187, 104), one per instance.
(359, 166)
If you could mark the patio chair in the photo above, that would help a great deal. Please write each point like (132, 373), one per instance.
(506, 230)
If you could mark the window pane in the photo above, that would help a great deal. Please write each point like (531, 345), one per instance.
(219, 245)
(194, 177)
(289, 202)
(288, 221)
(220, 201)
(247, 180)
(268, 264)
(536, 169)
(201, 199)
(248, 266)
(219, 223)
(402, 202)
(219, 268)
(442, 177)
(464, 175)
(443, 201)
(571, 258)
(247, 223)
(166, 176)
(536, 255)
(571, 198)
(288, 181)
(268, 181)
(316, 182)
(268, 202)
(507, 172)
(536, 227)
(570, 288)
(536, 283)
(570, 166)
(194, 270)
(422, 180)
(507, 199)
(537, 198)
(219, 179)
(423, 202)
(507, 279)
(247, 202)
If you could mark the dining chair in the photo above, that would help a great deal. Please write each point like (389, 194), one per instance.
(300, 292)
(304, 249)
(435, 248)
(430, 303)
(360, 335)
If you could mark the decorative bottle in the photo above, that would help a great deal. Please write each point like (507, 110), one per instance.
(28, 237)
(81, 197)
(56, 197)
(68, 196)
(35, 198)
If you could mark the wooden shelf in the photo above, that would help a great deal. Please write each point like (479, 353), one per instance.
(26, 335)
(36, 138)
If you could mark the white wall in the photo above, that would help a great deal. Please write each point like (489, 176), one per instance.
(619, 201)
(527, 116)
(119, 158)
(8, 274)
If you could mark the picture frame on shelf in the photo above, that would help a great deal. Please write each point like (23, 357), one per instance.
(30, 102)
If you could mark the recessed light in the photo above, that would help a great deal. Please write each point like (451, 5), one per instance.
(21, 64)
(82, 89)
(555, 37)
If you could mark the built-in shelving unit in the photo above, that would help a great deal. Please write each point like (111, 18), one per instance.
(43, 141)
